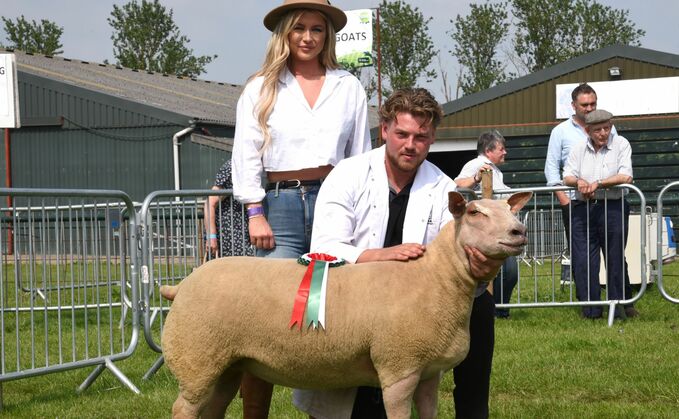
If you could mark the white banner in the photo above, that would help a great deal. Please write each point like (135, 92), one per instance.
(626, 97)
(355, 40)
(9, 92)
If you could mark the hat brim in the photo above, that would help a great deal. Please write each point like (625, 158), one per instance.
(337, 17)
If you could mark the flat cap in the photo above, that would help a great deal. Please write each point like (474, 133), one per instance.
(598, 116)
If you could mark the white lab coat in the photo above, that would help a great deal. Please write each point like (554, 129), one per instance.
(352, 208)
(351, 215)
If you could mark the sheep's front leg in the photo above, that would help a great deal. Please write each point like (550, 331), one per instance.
(398, 397)
(426, 397)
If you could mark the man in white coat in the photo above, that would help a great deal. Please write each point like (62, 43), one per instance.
(387, 204)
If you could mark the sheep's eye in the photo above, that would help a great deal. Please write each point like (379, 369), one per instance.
(474, 212)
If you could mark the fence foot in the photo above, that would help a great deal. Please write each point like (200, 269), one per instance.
(97, 372)
(154, 368)
(611, 314)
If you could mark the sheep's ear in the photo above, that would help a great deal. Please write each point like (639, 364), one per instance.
(518, 200)
(456, 204)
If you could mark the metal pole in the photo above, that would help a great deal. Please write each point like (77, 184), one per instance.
(487, 193)
(8, 183)
(379, 74)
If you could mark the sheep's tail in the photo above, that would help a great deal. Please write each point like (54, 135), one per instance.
(169, 291)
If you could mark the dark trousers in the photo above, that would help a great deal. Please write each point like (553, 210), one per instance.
(566, 218)
(608, 228)
(504, 285)
(472, 376)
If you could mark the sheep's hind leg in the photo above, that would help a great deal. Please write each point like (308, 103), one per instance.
(224, 391)
(215, 402)
(183, 409)
(426, 397)
(398, 397)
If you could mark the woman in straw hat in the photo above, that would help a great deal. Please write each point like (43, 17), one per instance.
(298, 116)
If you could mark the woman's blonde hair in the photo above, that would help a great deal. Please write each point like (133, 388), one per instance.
(277, 57)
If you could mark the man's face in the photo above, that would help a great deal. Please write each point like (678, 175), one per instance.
(584, 104)
(407, 140)
(599, 133)
(497, 155)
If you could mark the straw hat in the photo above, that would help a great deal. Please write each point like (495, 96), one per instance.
(336, 16)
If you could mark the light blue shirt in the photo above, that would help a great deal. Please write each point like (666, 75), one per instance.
(564, 136)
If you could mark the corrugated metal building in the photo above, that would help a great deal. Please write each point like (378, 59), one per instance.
(524, 111)
(97, 126)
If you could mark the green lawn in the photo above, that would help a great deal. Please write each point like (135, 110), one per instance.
(549, 363)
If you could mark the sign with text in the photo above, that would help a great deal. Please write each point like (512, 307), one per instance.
(355, 41)
(9, 92)
(626, 97)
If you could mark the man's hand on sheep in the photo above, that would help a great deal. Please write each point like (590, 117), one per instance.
(482, 267)
(402, 252)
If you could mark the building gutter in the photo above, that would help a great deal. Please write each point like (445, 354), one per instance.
(176, 138)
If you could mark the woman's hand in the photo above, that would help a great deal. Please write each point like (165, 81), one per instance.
(261, 235)
(212, 245)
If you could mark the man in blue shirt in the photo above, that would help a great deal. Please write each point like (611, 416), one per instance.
(564, 136)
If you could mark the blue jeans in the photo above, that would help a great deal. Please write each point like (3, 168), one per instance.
(290, 213)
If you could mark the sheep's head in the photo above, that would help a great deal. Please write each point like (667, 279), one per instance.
(490, 225)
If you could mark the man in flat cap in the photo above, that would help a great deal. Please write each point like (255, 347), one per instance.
(600, 215)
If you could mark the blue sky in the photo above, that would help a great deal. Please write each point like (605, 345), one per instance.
(232, 29)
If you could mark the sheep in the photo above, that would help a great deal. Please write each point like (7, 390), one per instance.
(396, 325)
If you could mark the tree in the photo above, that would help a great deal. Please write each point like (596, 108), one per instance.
(551, 31)
(365, 75)
(33, 37)
(145, 37)
(407, 49)
(476, 39)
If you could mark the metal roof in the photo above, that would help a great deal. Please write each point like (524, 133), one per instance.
(625, 51)
(200, 100)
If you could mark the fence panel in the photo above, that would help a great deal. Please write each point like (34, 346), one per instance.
(544, 272)
(173, 243)
(67, 273)
(667, 284)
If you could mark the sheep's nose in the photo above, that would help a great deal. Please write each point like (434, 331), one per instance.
(519, 230)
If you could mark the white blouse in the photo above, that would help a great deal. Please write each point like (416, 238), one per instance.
(301, 136)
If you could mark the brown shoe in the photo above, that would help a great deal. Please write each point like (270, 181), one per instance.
(631, 312)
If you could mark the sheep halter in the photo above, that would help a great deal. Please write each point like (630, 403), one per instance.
(309, 307)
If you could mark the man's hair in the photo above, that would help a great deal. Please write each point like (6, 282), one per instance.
(582, 89)
(417, 102)
(489, 140)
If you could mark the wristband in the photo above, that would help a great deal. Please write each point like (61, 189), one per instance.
(255, 211)
(212, 235)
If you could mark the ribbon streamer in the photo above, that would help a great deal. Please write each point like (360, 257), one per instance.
(301, 298)
(314, 300)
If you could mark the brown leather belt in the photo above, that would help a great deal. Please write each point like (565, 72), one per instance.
(292, 184)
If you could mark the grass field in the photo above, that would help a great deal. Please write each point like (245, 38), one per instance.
(549, 363)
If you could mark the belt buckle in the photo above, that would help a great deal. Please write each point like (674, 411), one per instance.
(299, 183)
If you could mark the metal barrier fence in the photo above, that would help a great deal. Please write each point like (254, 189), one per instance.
(68, 264)
(544, 271)
(546, 235)
(173, 241)
(663, 279)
